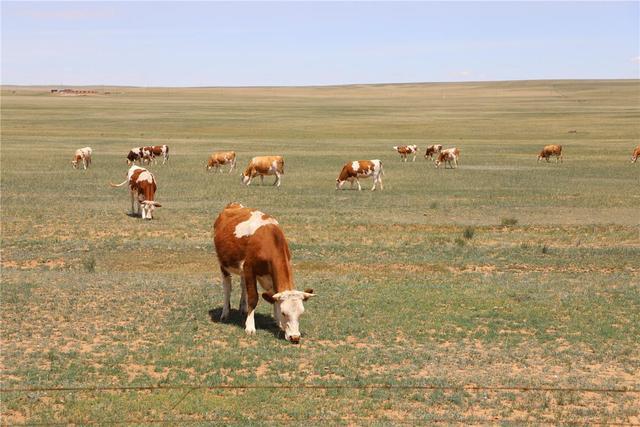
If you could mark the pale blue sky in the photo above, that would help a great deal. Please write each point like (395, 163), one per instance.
(315, 43)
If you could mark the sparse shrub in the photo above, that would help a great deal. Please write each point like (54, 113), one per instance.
(468, 233)
(433, 205)
(89, 264)
(459, 241)
(544, 249)
(507, 222)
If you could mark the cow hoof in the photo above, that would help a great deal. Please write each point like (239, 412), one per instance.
(250, 331)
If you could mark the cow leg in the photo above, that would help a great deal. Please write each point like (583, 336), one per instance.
(414, 158)
(277, 181)
(226, 304)
(261, 179)
(380, 182)
(132, 201)
(252, 300)
(358, 182)
(243, 297)
(351, 184)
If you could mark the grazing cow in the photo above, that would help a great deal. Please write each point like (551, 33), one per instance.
(142, 185)
(263, 165)
(551, 150)
(157, 151)
(251, 244)
(447, 156)
(407, 150)
(433, 150)
(82, 155)
(361, 169)
(216, 160)
(636, 154)
(134, 155)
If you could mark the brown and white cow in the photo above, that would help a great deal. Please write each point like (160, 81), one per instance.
(361, 169)
(551, 150)
(139, 154)
(251, 244)
(433, 150)
(636, 154)
(216, 160)
(82, 155)
(142, 185)
(263, 165)
(154, 151)
(447, 157)
(407, 150)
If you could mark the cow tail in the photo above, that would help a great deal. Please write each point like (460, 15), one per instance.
(119, 185)
(281, 165)
(381, 169)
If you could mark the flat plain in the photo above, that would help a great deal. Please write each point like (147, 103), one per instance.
(505, 291)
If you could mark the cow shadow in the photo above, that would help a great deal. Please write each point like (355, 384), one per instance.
(237, 319)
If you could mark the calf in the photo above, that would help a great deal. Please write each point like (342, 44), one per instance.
(142, 185)
(447, 156)
(216, 160)
(551, 150)
(407, 150)
(251, 244)
(264, 165)
(433, 150)
(636, 154)
(82, 155)
(361, 169)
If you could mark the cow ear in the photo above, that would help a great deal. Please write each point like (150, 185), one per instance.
(268, 298)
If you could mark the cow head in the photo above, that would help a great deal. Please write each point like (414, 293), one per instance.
(147, 208)
(287, 308)
(246, 177)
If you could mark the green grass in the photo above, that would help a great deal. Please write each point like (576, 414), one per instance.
(422, 284)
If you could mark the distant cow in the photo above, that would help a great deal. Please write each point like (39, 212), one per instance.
(264, 165)
(636, 154)
(82, 155)
(407, 150)
(551, 150)
(140, 155)
(361, 169)
(216, 160)
(433, 150)
(154, 151)
(251, 244)
(142, 185)
(449, 156)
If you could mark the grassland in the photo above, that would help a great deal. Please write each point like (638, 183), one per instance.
(418, 286)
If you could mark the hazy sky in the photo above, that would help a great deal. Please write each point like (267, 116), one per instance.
(279, 43)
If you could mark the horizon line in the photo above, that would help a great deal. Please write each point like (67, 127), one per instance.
(3, 85)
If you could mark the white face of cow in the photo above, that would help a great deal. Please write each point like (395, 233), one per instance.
(245, 179)
(288, 308)
(147, 208)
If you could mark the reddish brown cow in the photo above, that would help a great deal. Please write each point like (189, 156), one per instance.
(433, 150)
(407, 150)
(154, 151)
(636, 154)
(82, 155)
(251, 244)
(447, 157)
(551, 150)
(216, 160)
(142, 185)
(361, 169)
(264, 165)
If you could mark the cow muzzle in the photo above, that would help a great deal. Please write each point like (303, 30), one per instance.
(294, 339)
